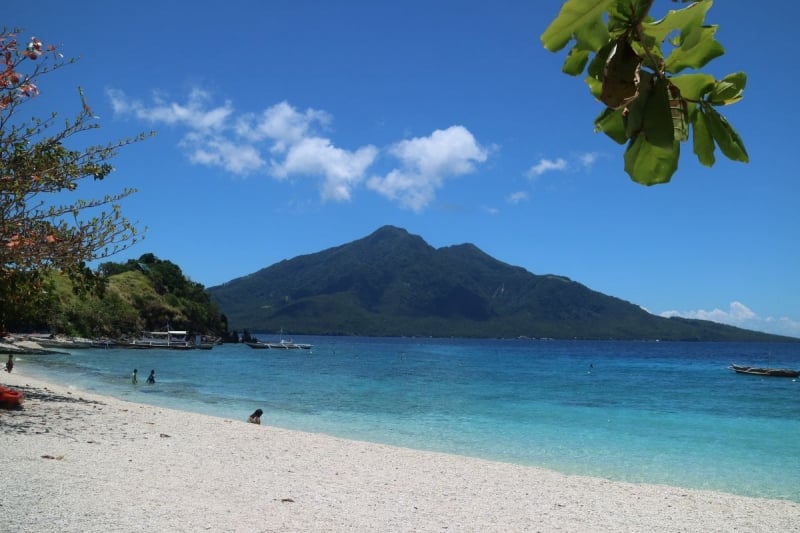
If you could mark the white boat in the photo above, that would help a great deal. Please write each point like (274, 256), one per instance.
(171, 339)
(282, 344)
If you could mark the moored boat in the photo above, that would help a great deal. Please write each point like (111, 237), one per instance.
(280, 345)
(769, 372)
(170, 340)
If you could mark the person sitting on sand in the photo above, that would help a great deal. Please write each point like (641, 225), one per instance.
(9, 363)
(152, 377)
(255, 418)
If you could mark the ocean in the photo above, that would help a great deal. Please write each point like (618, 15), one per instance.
(657, 412)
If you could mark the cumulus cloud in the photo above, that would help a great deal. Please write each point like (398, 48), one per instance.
(425, 164)
(578, 161)
(741, 316)
(284, 142)
(546, 165)
(341, 169)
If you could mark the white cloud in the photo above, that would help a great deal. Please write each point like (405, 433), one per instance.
(284, 142)
(217, 137)
(425, 163)
(193, 113)
(281, 123)
(546, 165)
(217, 151)
(585, 161)
(317, 156)
(588, 159)
(517, 197)
(741, 316)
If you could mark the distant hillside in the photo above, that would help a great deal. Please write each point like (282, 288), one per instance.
(392, 283)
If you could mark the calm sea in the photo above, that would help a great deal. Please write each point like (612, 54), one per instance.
(656, 412)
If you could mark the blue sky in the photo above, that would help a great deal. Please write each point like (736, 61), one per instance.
(287, 127)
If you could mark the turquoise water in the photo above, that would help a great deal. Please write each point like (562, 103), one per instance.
(669, 413)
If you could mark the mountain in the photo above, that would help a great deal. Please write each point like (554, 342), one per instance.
(392, 283)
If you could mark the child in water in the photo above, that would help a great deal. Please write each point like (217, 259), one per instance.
(255, 418)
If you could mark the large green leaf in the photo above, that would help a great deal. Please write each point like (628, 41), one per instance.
(611, 122)
(634, 116)
(679, 110)
(725, 136)
(649, 164)
(657, 119)
(703, 142)
(693, 86)
(680, 19)
(729, 89)
(697, 48)
(582, 19)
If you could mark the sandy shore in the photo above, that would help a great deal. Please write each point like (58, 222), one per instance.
(72, 461)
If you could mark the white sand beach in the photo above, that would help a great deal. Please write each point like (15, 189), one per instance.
(72, 461)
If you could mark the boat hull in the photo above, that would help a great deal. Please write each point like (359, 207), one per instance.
(767, 372)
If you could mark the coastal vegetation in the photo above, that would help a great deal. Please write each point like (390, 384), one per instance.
(46, 232)
(145, 294)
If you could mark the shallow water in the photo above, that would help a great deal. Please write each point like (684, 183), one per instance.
(670, 413)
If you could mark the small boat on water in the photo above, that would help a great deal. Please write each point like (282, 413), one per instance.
(280, 345)
(171, 340)
(769, 372)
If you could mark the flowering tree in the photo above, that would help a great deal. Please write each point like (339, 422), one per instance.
(43, 228)
(646, 72)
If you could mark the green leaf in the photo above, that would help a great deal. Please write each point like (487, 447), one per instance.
(576, 61)
(703, 142)
(680, 19)
(595, 86)
(679, 109)
(582, 19)
(657, 123)
(725, 136)
(729, 89)
(611, 123)
(696, 48)
(693, 86)
(649, 164)
(634, 116)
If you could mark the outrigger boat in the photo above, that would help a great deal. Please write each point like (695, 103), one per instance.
(769, 372)
(282, 344)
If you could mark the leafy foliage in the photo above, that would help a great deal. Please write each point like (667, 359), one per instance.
(635, 66)
(145, 294)
(38, 168)
(392, 283)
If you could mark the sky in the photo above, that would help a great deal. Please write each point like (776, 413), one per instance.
(284, 128)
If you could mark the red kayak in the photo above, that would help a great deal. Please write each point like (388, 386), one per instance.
(10, 397)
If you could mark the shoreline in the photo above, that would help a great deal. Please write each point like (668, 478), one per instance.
(78, 461)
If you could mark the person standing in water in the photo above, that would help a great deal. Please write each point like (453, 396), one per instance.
(134, 378)
(10, 363)
(152, 377)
